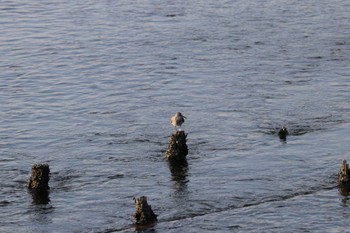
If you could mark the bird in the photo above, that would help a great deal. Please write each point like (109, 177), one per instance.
(177, 120)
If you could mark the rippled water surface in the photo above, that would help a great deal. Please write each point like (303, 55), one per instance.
(89, 88)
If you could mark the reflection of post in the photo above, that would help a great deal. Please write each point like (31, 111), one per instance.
(39, 183)
(40, 197)
(178, 170)
(144, 214)
(176, 155)
(344, 190)
(179, 174)
(177, 147)
(343, 179)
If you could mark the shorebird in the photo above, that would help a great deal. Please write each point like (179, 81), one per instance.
(177, 120)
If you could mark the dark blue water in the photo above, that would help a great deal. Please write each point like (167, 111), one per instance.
(89, 88)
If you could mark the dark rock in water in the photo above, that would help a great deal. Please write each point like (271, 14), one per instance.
(177, 147)
(343, 176)
(40, 177)
(282, 134)
(144, 214)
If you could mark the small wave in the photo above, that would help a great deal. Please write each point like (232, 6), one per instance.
(303, 126)
(4, 203)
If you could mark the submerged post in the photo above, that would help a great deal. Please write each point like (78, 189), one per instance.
(38, 183)
(177, 149)
(282, 134)
(144, 214)
(343, 179)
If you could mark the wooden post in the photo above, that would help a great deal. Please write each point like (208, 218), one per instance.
(177, 149)
(40, 177)
(144, 214)
(282, 134)
(38, 183)
(343, 176)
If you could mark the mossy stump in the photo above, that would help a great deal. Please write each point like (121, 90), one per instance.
(282, 133)
(343, 176)
(177, 148)
(144, 214)
(40, 177)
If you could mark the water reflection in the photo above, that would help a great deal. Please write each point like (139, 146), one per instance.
(41, 208)
(179, 170)
(40, 197)
(344, 190)
(283, 140)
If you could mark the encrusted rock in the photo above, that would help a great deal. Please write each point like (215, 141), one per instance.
(282, 134)
(343, 176)
(40, 177)
(177, 147)
(144, 214)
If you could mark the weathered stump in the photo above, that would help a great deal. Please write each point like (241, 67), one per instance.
(177, 149)
(144, 214)
(38, 183)
(40, 177)
(282, 133)
(343, 179)
(343, 176)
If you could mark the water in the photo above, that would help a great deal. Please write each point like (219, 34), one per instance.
(89, 88)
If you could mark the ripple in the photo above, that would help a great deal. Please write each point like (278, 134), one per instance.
(89, 88)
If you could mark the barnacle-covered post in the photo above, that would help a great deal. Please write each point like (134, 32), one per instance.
(282, 133)
(38, 183)
(343, 176)
(144, 214)
(177, 149)
(343, 179)
(40, 177)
